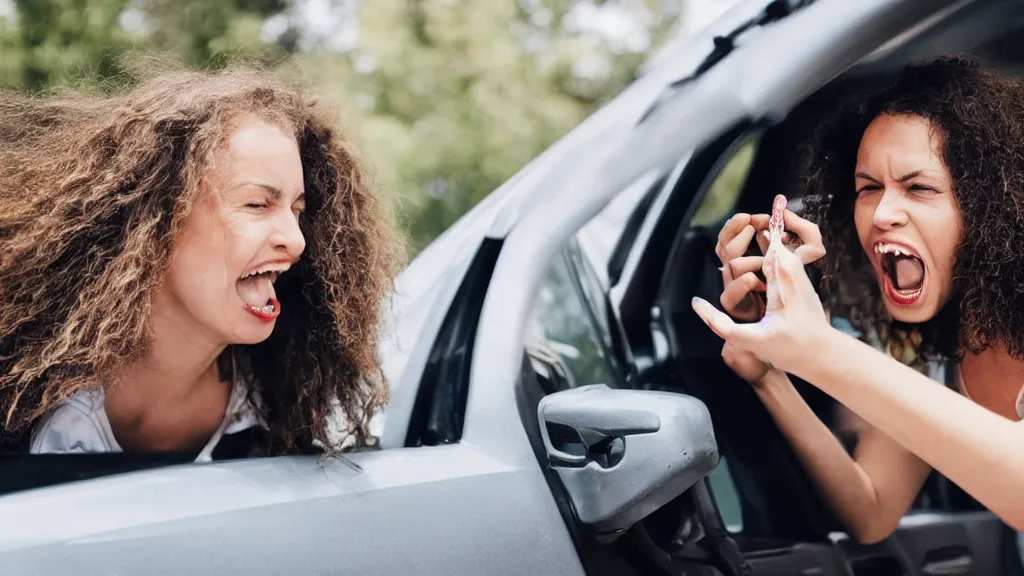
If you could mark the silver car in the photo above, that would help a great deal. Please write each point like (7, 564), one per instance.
(556, 406)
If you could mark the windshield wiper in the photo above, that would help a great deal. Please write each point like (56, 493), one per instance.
(775, 10)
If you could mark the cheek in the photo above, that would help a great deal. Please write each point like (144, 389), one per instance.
(194, 274)
(946, 245)
(944, 232)
(863, 218)
(199, 267)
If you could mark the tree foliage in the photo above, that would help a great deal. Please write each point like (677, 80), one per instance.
(447, 98)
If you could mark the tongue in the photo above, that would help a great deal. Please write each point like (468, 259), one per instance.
(909, 273)
(256, 290)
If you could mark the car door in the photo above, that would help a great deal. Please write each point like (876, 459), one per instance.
(431, 506)
(436, 510)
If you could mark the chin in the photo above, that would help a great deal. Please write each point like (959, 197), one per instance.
(913, 307)
(250, 331)
(252, 336)
(910, 315)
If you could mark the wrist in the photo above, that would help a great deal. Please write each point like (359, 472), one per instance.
(827, 352)
(773, 381)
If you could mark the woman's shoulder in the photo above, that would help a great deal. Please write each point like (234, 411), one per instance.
(75, 426)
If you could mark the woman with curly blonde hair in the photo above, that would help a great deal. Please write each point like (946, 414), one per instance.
(196, 259)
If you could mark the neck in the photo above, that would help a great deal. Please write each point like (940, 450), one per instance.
(180, 360)
(993, 379)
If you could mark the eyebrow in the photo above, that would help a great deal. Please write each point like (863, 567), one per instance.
(903, 178)
(274, 190)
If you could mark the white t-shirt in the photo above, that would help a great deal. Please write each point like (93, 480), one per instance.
(80, 425)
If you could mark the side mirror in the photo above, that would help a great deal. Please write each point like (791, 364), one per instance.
(622, 454)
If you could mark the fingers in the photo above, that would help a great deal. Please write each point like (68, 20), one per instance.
(809, 253)
(739, 288)
(807, 231)
(729, 231)
(793, 278)
(760, 221)
(738, 245)
(763, 240)
(742, 336)
(812, 247)
(740, 300)
(740, 266)
(786, 278)
(774, 295)
(719, 323)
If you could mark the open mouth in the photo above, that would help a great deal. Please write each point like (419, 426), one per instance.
(903, 271)
(256, 289)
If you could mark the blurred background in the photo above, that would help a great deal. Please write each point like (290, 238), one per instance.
(446, 99)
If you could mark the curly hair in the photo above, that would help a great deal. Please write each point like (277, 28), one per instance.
(978, 117)
(94, 191)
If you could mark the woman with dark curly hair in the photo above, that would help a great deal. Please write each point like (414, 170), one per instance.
(919, 191)
(197, 258)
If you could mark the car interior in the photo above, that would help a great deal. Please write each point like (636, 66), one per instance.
(761, 499)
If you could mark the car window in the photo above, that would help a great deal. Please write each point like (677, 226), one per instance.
(719, 203)
(720, 200)
(570, 323)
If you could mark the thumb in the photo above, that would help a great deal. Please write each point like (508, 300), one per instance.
(741, 336)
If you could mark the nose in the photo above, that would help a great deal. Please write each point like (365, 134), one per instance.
(890, 212)
(287, 236)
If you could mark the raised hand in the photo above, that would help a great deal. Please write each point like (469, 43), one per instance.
(793, 322)
(739, 272)
(740, 296)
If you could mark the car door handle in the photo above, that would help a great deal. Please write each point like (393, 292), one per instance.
(949, 567)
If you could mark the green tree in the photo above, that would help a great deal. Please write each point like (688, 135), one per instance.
(211, 33)
(49, 41)
(459, 95)
(447, 98)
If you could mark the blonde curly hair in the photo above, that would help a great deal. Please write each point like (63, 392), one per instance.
(94, 191)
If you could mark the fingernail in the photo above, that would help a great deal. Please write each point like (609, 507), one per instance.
(721, 268)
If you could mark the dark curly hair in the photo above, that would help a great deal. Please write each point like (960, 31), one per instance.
(978, 115)
(94, 190)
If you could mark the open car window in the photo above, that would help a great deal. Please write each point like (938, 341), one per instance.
(568, 323)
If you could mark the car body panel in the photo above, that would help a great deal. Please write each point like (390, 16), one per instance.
(447, 509)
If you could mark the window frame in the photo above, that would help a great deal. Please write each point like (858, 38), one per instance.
(575, 264)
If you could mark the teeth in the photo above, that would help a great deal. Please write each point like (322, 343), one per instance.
(891, 249)
(268, 309)
(275, 272)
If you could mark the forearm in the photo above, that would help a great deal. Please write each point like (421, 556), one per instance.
(980, 451)
(847, 487)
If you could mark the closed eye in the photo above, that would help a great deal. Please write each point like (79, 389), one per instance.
(920, 187)
(256, 205)
(868, 188)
